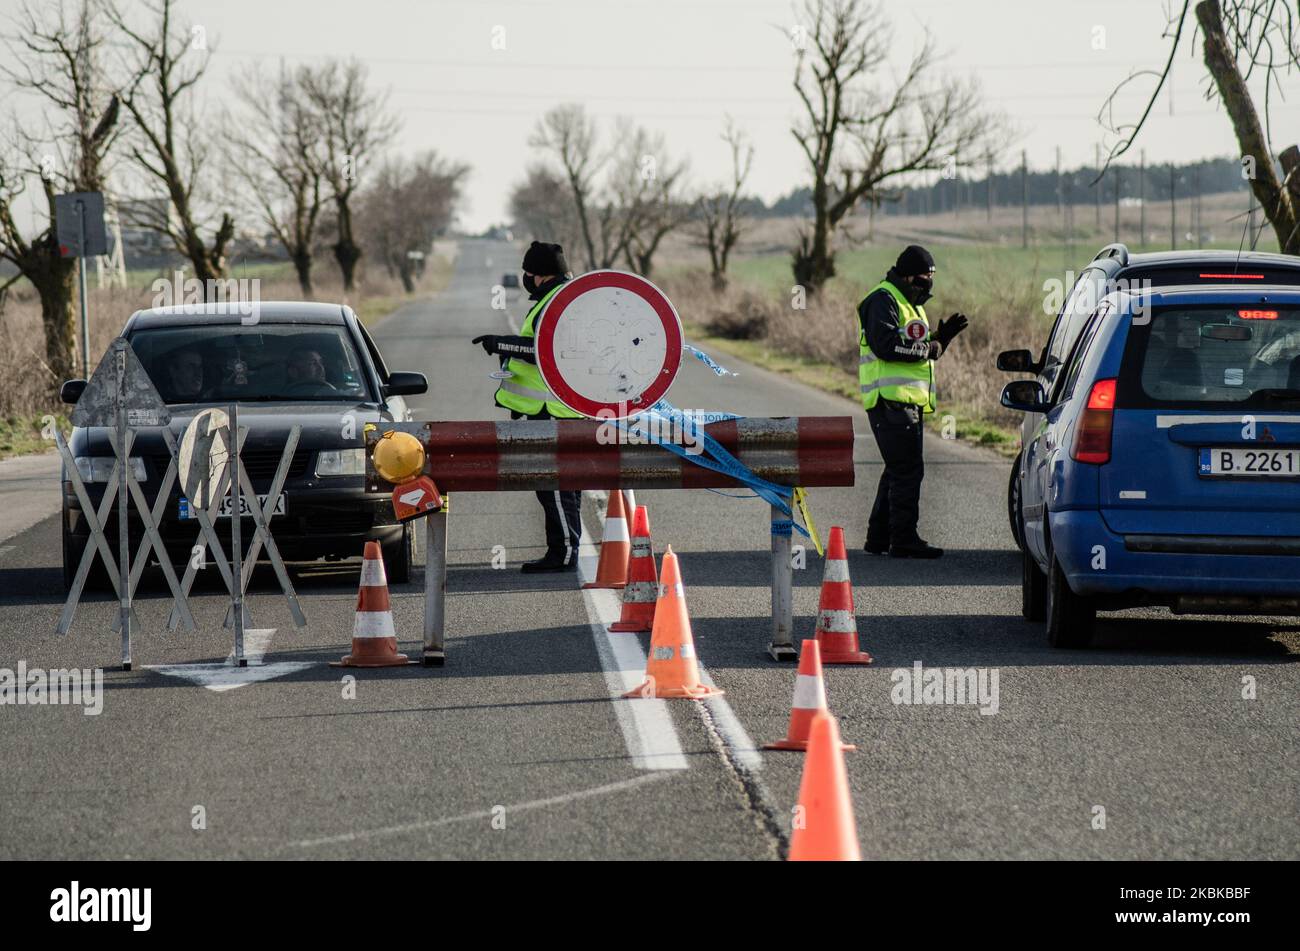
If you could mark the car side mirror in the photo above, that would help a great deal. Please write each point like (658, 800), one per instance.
(71, 391)
(402, 383)
(1017, 361)
(1025, 396)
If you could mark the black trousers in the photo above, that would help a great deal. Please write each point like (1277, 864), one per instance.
(898, 430)
(563, 511)
(563, 524)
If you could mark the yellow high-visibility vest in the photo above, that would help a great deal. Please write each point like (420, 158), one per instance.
(525, 392)
(903, 382)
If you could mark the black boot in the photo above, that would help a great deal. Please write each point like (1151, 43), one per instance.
(873, 547)
(554, 561)
(916, 549)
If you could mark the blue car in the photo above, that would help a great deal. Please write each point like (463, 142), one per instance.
(1165, 466)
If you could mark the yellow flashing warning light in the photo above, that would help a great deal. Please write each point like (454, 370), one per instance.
(398, 456)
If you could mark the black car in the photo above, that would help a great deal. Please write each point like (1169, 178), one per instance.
(309, 364)
(1114, 268)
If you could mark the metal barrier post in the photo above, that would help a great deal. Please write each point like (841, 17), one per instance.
(435, 588)
(782, 646)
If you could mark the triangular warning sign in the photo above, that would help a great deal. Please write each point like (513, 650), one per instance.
(120, 377)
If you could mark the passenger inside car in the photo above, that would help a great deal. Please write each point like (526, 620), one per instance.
(184, 374)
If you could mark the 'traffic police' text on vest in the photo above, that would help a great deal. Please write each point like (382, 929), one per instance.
(525, 392)
(904, 382)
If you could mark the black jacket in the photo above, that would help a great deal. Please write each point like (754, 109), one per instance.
(878, 316)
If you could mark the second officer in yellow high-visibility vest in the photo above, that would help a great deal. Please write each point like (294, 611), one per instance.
(524, 393)
(897, 351)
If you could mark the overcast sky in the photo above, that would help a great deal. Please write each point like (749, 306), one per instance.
(680, 65)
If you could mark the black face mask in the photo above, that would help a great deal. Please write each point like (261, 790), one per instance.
(921, 287)
(530, 285)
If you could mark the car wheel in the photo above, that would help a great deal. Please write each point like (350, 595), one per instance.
(400, 556)
(1033, 589)
(1070, 617)
(1013, 505)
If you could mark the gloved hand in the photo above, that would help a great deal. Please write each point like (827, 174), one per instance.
(489, 342)
(950, 328)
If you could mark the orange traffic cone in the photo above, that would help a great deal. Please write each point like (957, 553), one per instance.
(809, 699)
(824, 828)
(611, 572)
(837, 625)
(374, 640)
(671, 671)
(642, 582)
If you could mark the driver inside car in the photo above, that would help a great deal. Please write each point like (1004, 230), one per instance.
(305, 366)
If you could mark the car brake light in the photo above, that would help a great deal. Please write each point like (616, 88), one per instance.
(1257, 314)
(1092, 433)
(1233, 277)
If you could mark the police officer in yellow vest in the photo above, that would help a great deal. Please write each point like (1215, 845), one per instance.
(524, 393)
(897, 351)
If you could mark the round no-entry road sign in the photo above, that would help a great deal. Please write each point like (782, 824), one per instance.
(609, 344)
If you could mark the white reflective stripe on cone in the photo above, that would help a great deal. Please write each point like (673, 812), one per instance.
(809, 693)
(374, 624)
(686, 650)
(641, 547)
(640, 591)
(837, 569)
(664, 590)
(836, 621)
(615, 530)
(372, 574)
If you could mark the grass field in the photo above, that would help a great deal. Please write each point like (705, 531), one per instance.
(1010, 293)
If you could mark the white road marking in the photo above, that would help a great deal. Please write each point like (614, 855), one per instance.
(647, 725)
(482, 814)
(624, 651)
(226, 676)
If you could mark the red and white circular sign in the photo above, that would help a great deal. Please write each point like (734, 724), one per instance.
(609, 344)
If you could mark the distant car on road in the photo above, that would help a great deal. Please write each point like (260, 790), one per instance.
(510, 280)
(308, 364)
(1164, 468)
(1114, 268)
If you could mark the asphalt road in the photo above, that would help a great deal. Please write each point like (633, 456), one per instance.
(517, 749)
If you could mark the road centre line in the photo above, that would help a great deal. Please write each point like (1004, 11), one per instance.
(481, 814)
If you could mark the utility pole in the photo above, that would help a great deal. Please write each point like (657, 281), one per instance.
(1097, 186)
(1196, 183)
(988, 182)
(1173, 210)
(1142, 198)
(1024, 198)
(1117, 190)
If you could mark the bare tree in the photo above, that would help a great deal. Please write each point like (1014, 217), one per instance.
(279, 155)
(569, 135)
(408, 204)
(55, 55)
(357, 124)
(164, 62)
(1240, 38)
(647, 194)
(860, 131)
(540, 206)
(719, 222)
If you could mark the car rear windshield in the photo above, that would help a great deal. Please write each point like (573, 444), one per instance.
(263, 362)
(1242, 356)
